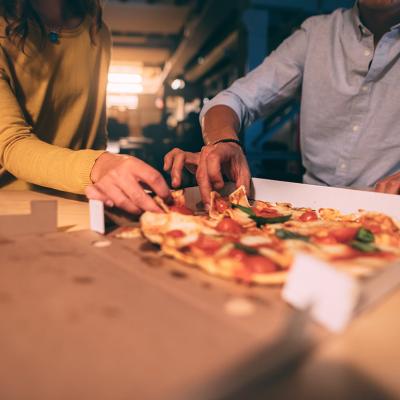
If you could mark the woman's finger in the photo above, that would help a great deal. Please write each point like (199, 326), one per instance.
(117, 196)
(94, 193)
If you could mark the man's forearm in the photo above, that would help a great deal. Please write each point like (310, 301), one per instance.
(220, 122)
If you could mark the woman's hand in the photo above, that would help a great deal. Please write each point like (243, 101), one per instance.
(210, 165)
(118, 179)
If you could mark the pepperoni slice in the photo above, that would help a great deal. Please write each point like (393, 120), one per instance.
(260, 264)
(252, 264)
(309, 216)
(207, 244)
(344, 235)
(176, 234)
(228, 225)
(181, 210)
(328, 239)
(238, 255)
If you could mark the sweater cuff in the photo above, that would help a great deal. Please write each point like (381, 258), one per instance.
(86, 166)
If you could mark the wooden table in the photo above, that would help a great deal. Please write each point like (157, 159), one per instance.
(72, 317)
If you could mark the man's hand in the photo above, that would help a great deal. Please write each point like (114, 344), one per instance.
(176, 160)
(212, 163)
(117, 181)
(390, 185)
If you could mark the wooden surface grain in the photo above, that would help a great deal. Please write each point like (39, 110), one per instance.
(120, 322)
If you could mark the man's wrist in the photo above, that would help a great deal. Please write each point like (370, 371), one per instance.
(234, 141)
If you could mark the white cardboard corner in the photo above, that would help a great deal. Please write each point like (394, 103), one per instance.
(330, 296)
(97, 217)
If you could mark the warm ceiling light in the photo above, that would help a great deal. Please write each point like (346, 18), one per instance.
(124, 77)
(124, 88)
(124, 84)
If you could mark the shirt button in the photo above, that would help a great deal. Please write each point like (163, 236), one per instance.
(367, 53)
(356, 128)
(365, 88)
(343, 166)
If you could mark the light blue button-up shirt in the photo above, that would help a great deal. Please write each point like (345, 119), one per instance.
(350, 97)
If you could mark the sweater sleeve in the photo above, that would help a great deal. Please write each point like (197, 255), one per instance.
(28, 158)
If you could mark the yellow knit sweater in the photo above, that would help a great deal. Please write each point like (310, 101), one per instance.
(52, 108)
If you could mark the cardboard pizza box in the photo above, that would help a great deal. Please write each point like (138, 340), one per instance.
(42, 218)
(312, 283)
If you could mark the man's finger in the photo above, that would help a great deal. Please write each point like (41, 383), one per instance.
(393, 187)
(244, 179)
(202, 179)
(380, 187)
(177, 168)
(169, 159)
(214, 171)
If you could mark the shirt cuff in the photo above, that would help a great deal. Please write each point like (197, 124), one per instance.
(224, 99)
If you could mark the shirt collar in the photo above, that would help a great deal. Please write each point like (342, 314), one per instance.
(360, 29)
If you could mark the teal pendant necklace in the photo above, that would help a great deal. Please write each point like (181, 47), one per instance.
(54, 37)
(54, 33)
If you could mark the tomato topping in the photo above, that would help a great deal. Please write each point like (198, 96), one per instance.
(207, 244)
(266, 213)
(221, 205)
(344, 235)
(238, 255)
(309, 216)
(228, 225)
(181, 210)
(325, 239)
(176, 233)
(260, 264)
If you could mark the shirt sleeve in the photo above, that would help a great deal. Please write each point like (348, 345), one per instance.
(272, 83)
(28, 158)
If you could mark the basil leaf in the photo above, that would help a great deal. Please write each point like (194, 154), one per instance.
(246, 249)
(365, 236)
(260, 221)
(288, 235)
(246, 210)
(364, 247)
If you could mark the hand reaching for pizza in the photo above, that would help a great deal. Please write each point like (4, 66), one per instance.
(210, 165)
(176, 160)
(390, 185)
(118, 179)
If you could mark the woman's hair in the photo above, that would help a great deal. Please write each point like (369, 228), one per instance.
(18, 14)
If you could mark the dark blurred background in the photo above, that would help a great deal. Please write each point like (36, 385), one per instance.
(170, 56)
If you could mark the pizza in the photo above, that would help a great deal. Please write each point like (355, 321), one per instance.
(256, 242)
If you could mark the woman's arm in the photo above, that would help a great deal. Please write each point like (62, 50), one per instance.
(28, 158)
